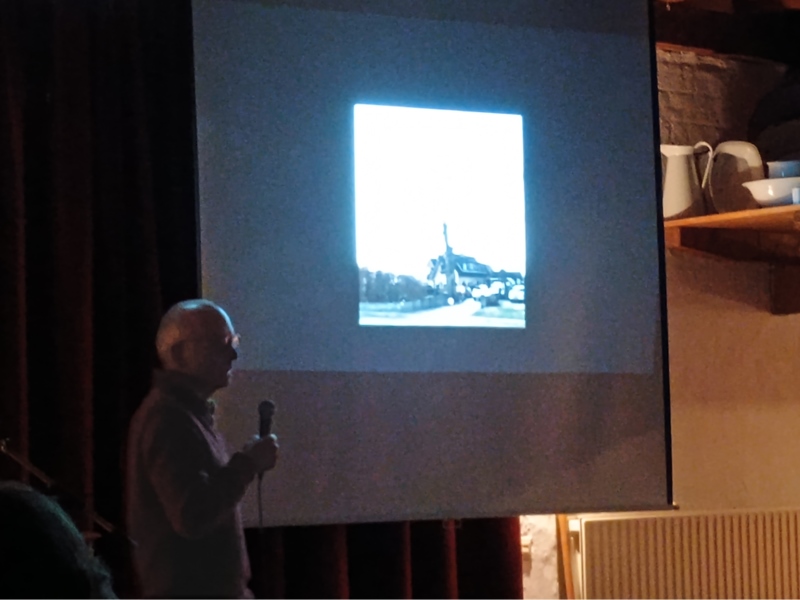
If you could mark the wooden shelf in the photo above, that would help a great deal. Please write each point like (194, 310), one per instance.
(765, 234)
(770, 235)
(778, 218)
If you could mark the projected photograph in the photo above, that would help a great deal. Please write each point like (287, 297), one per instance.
(440, 217)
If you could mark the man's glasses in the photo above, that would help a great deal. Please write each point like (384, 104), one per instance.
(234, 341)
(231, 341)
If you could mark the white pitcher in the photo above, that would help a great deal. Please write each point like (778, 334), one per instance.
(683, 189)
(733, 163)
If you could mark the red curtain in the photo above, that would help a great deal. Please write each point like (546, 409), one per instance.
(97, 237)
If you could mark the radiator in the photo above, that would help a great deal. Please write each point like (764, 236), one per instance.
(690, 555)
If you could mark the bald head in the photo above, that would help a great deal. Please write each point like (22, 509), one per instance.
(184, 321)
(196, 337)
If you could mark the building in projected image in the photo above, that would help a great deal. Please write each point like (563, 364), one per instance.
(459, 291)
(458, 276)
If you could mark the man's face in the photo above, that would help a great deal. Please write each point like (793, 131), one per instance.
(209, 349)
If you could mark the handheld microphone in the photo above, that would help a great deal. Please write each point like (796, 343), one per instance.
(266, 410)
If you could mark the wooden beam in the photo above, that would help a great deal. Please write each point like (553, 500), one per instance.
(765, 5)
(725, 6)
(750, 30)
(565, 557)
(667, 47)
(734, 6)
(737, 244)
(780, 250)
(733, 245)
(784, 289)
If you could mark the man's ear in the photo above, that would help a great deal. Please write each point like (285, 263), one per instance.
(177, 355)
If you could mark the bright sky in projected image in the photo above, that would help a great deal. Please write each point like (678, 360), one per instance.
(417, 168)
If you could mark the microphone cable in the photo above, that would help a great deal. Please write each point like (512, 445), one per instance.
(260, 507)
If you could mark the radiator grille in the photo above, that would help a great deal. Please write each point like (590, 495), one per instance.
(722, 555)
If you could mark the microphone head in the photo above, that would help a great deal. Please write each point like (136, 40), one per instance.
(266, 409)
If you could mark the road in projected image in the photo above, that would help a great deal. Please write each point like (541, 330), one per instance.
(440, 217)
(469, 313)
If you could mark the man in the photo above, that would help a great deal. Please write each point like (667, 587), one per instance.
(183, 490)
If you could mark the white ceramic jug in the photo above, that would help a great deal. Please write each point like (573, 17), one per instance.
(733, 163)
(683, 189)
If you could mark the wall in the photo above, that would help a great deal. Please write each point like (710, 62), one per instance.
(734, 368)
(735, 388)
(710, 98)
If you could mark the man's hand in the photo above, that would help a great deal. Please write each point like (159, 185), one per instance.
(263, 452)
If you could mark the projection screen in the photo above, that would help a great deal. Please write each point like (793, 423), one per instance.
(435, 226)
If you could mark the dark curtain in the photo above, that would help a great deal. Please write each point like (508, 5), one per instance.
(97, 238)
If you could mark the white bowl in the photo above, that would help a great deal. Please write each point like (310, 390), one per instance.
(773, 192)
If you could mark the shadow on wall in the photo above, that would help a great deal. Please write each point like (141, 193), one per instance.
(741, 283)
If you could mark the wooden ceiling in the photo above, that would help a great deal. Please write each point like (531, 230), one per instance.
(738, 6)
(759, 28)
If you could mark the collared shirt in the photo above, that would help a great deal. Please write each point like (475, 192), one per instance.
(183, 496)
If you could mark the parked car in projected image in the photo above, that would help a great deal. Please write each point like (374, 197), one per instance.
(486, 295)
(517, 293)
